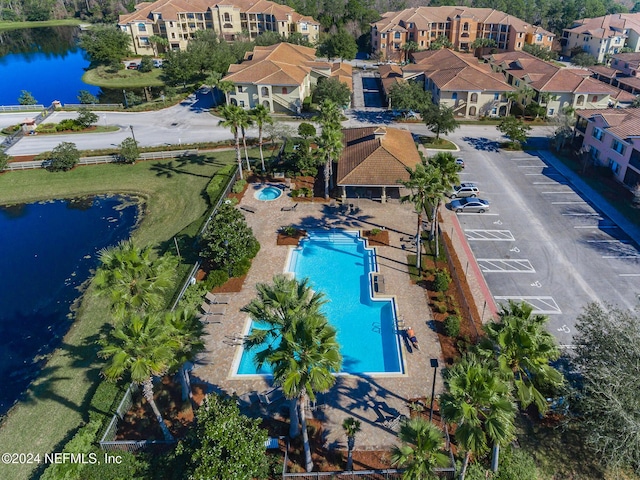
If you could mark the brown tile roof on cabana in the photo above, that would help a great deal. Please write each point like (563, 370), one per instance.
(376, 156)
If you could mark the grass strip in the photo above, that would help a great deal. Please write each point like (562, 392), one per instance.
(5, 26)
(58, 402)
(108, 77)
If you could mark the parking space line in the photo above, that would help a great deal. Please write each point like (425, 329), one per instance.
(489, 235)
(532, 166)
(596, 226)
(544, 175)
(629, 274)
(569, 203)
(544, 305)
(483, 214)
(563, 192)
(509, 265)
(607, 241)
(582, 215)
(620, 256)
(549, 183)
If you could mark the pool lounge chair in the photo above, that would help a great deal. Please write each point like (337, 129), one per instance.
(270, 396)
(217, 297)
(248, 209)
(213, 308)
(288, 209)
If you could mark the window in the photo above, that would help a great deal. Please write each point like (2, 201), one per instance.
(396, 35)
(597, 133)
(142, 27)
(494, 111)
(242, 103)
(474, 97)
(551, 110)
(496, 97)
(227, 17)
(396, 46)
(240, 89)
(595, 153)
(614, 166)
(284, 91)
(595, 98)
(303, 26)
(144, 41)
(384, 35)
(265, 92)
(472, 111)
(465, 27)
(539, 37)
(617, 146)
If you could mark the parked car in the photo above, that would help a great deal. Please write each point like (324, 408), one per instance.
(467, 189)
(460, 162)
(470, 205)
(132, 66)
(157, 62)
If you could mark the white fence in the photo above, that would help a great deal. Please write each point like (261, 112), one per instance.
(21, 108)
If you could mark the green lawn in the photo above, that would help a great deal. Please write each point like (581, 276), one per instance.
(57, 403)
(440, 144)
(4, 26)
(109, 77)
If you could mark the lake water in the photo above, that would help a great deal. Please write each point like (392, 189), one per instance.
(44, 61)
(48, 250)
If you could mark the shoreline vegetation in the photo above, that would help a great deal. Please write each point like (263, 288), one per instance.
(108, 77)
(6, 26)
(172, 204)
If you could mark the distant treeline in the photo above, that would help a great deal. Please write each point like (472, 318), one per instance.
(354, 15)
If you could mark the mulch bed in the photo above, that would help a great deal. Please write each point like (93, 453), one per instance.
(292, 240)
(140, 423)
(380, 239)
(233, 285)
(315, 184)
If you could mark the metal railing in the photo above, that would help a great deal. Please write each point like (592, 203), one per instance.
(113, 158)
(108, 441)
(93, 106)
(20, 108)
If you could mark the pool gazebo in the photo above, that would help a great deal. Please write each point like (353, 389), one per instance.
(374, 159)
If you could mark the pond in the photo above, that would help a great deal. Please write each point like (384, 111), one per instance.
(44, 61)
(49, 250)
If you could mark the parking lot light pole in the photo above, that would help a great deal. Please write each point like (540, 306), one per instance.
(132, 134)
(434, 365)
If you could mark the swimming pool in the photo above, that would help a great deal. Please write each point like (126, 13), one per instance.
(268, 193)
(338, 264)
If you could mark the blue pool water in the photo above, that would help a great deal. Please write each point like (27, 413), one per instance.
(338, 264)
(268, 193)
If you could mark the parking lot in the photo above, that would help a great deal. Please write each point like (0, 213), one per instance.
(542, 241)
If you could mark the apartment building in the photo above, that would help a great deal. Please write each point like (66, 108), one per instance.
(178, 20)
(280, 77)
(603, 36)
(460, 25)
(555, 87)
(612, 138)
(459, 81)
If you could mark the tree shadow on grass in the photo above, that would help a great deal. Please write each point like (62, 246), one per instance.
(178, 166)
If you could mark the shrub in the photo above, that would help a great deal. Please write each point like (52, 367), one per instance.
(63, 157)
(146, 64)
(238, 187)
(86, 117)
(452, 326)
(192, 297)
(516, 463)
(375, 231)
(442, 280)
(215, 278)
(241, 268)
(289, 230)
(441, 308)
(47, 128)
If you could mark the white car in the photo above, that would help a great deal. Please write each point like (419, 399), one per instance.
(460, 162)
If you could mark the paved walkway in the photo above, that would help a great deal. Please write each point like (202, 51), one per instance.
(375, 399)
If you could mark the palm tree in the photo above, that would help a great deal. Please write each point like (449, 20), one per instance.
(233, 117)
(351, 426)
(449, 175)
(245, 122)
(329, 148)
(409, 48)
(260, 115)
(511, 96)
(424, 183)
(186, 329)
(301, 346)
(421, 451)
(156, 40)
(524, 348)
(132, 280)
(142, 347)
(478, 400)
(330, 115)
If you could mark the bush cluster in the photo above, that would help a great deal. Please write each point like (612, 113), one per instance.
(452, 326)
(442, 280)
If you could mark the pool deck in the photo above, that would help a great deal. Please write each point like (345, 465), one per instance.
(372, 400)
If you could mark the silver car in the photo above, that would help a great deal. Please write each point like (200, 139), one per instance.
(469, 205)
(467, 189)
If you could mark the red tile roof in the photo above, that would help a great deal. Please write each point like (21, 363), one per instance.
(376, 156)
(623, 123)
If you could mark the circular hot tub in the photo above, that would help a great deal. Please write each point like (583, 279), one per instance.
(268, 194)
